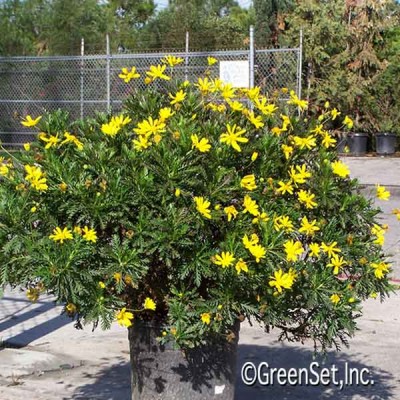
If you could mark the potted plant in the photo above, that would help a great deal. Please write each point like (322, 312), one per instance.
(386, 141)
(386, 122)
(183, 216)
(358, 138)
(358, 143)
(382, 110)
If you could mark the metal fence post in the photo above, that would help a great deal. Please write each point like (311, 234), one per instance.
(186, 55)
(108, 72)
(251, 57)
(82, 74)
(300, 65)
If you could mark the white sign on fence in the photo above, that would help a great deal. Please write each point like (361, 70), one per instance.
(235, 72)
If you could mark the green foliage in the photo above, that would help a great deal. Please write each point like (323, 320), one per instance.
(19, 27)
(146, 203)
(68, 22)
(269, 21)
(351, 67)
(32, 27)
(383, 97)
(36, 27)
(324, 68)
(127, 20)
(211, 25)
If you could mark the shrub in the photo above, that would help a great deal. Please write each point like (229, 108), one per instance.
(199, 205)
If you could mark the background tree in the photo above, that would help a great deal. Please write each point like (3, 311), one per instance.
(20, 26)
(319, 20)
(383, 110)
(127, 20)
(31, 27)
(345, 67)
(270, 21)
(212, 24)
(368, 22)
(68, 22)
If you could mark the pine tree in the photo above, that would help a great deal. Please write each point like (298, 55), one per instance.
(269, 20)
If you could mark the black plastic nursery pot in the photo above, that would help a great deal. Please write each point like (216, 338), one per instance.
(161, 372)
(358, 143)
(341, 143)
(386, 143)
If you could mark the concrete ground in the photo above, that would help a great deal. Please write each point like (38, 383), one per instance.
(48, 359)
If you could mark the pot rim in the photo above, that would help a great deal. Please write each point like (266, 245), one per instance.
(391, 134)
(358, 134)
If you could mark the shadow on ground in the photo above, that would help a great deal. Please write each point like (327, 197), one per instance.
(21, 323)
(113, 383)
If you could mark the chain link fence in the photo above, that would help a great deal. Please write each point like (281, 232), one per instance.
(84, 85)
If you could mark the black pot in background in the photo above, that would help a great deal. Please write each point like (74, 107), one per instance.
(358, 143)
(341, 143)
(386, 143)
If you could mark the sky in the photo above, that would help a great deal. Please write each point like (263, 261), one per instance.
(163, 3)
